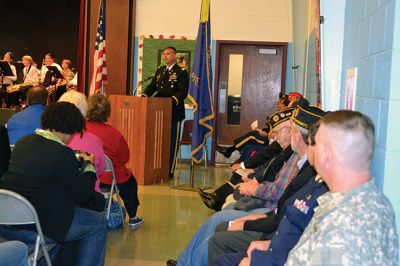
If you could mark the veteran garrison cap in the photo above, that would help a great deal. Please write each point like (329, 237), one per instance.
(280, 117)
(305, 115)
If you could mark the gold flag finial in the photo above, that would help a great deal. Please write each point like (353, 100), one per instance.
(205, 7)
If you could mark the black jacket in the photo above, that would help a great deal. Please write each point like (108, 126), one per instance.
(46, 173)
(174, 84)
(266, 154)
(268, 170)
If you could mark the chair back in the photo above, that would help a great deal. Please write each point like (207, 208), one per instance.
(187, 129)
(5, 114)
(15, 209)
(109, 165)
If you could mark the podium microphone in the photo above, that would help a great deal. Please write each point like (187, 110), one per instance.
(140, 83)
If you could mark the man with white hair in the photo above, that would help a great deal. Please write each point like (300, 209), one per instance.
(354, 223)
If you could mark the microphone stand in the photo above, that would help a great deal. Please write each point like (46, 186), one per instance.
(140, 83)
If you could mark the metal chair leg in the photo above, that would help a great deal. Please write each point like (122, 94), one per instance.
(191, 173)
(110, 199)
(119, 200)
(206, 156)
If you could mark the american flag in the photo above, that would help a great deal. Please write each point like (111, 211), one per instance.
(99, 59)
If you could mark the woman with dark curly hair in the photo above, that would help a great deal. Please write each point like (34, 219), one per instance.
(45, 171)
(116, 148)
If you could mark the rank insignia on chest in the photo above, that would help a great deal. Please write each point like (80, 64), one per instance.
(301, 205)
(173, 77)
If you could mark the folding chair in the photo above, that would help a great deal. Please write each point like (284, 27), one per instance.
(114, 187)
(16, 210)
(186, 139)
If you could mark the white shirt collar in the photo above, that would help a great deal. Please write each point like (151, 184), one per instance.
(302, 160)
(169, 68)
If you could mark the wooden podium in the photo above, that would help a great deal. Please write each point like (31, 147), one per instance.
(146, 126)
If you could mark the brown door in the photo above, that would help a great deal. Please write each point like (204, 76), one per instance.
(248, 82)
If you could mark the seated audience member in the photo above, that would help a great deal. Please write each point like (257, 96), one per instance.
(4, 150)
(283, 102)
(354, 223)
(196, 251)
(75, 97)
(86, 142)
(296, 176)
(245, 160)
(116, 148)
(45, 171)
(294, 96)
(290, 220)
(257, 137)
(279, 152)
(13, 253)
(25, 122)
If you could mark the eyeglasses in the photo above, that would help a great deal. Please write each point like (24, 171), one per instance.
(275, 133)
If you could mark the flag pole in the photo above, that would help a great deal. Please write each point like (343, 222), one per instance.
(200, 96)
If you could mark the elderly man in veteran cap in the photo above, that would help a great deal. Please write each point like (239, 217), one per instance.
(278, 232)
(354, 223)
(279, 152)
(196, 252)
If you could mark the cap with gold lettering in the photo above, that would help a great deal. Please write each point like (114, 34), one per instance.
(305, 115)
(279, 117)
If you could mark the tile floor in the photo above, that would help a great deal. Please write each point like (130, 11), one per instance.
(171, 217)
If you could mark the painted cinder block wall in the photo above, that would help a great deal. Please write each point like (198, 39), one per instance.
(372, 44)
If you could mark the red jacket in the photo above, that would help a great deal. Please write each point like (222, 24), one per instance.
(115, 147)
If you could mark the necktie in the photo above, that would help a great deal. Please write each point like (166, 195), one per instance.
(292, 174)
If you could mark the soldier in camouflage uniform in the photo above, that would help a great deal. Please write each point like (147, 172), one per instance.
(354, 223)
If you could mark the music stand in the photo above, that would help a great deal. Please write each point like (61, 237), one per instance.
(19, 67)
(55, 72)
(5, 70)
(52, 72)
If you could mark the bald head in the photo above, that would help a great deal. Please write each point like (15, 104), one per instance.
(37, 95)
(350, 135)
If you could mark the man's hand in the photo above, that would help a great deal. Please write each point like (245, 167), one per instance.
(263, 134)
(235, 166)
(258, 245)
(245, 177)
(249, 188)
(245, 262)
(249, 171)
(251, 217)
(236, 226)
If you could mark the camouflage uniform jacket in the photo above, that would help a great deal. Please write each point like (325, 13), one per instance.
(356, 227)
